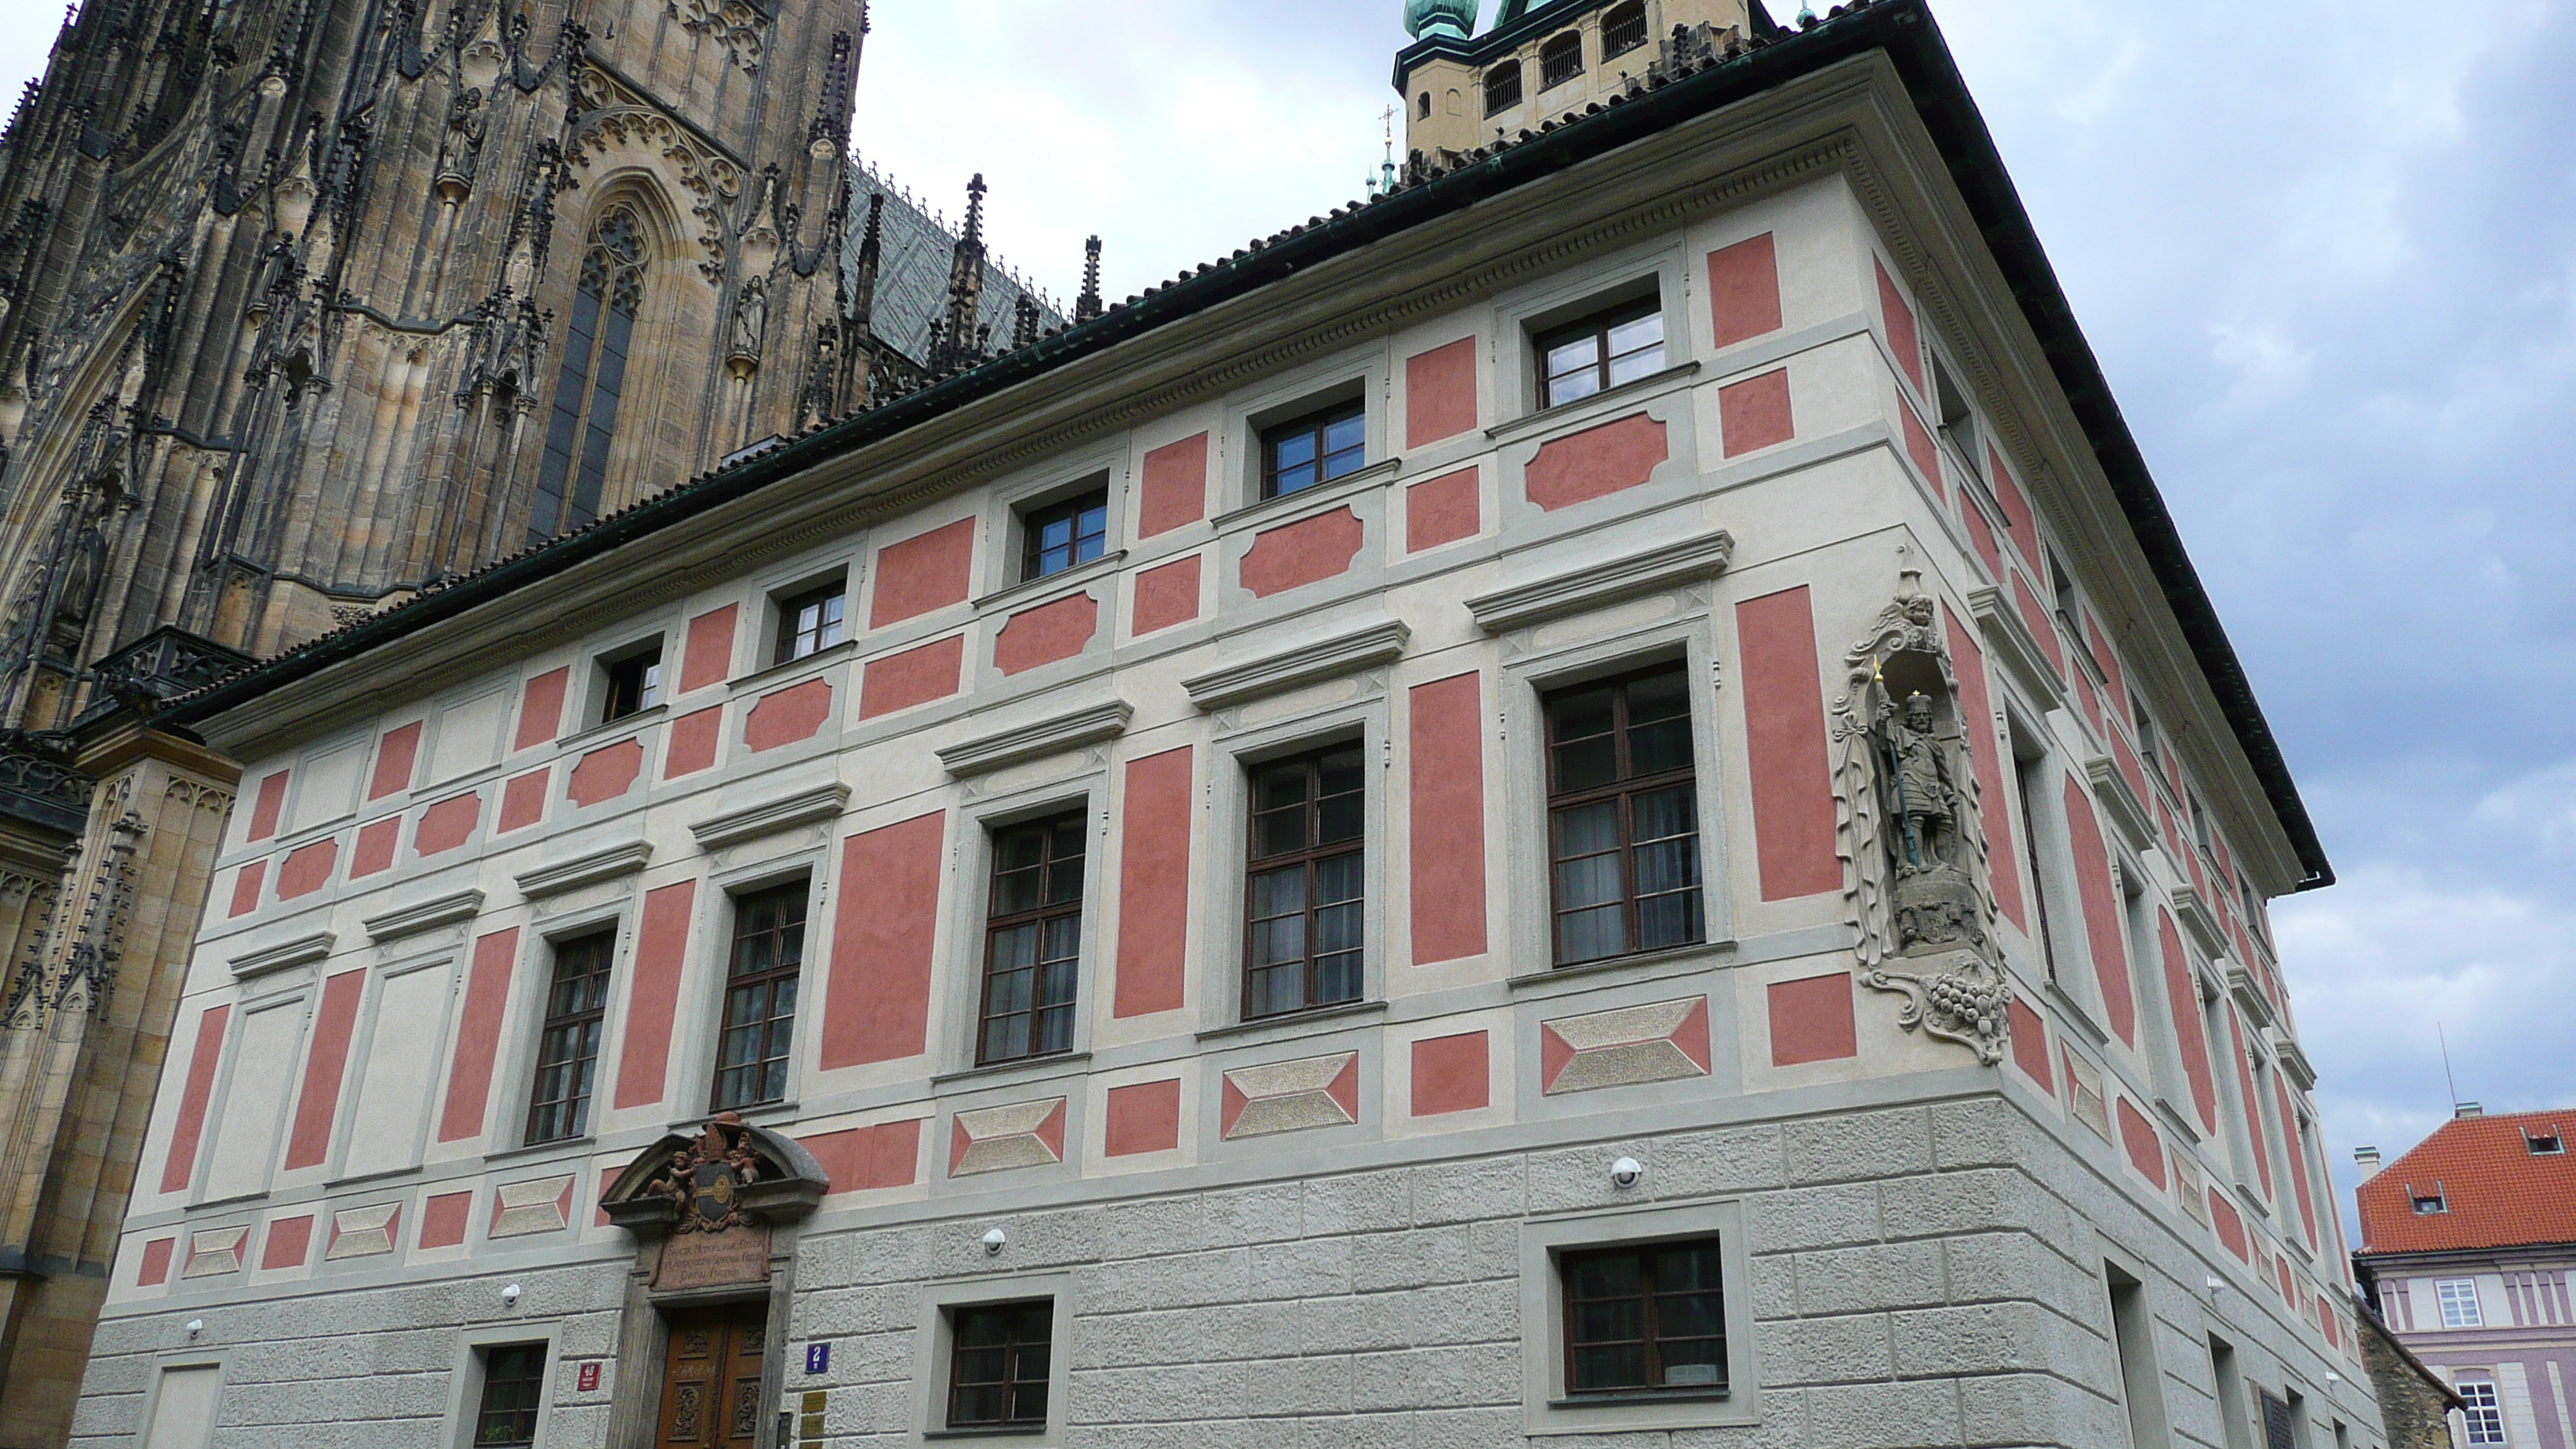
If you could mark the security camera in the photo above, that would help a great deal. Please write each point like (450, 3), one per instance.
(1626, 1172)
(994, 1242)
(510, 1294)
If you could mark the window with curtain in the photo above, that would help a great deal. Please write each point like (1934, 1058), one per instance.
(592, 382)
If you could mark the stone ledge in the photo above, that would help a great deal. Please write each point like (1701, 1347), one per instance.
(428, 915)
(1054, 735)
(1299, 664)
(302, 951)
(583, 870)
(806, 807)
(1593, 585)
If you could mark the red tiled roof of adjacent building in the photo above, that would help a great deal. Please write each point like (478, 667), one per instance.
(2496, 1192)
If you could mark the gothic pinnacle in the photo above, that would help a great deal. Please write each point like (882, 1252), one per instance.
(1088, 305)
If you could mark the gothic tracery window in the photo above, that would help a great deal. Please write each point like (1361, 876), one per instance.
(593, 379)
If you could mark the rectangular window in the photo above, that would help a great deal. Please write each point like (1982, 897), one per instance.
(811, 623)
(514, 1387)
(2429, 1203)
(634, 684)
(2231, 1395)
(2029, 783)
(1064, 534)
(2459, 1298)
(2277, 1431)
(2062, 585)
(997, 1377)
(568, 1046)
(2146, 729)
(2544, 1142)
(1305, 893)
(1602, 351)
(1623, 817)
(760, 997)
(1316, 448)
(2483, 1411)
(1958, 418)
(1033, 939)
(1645, 1320)
(2133, 1336)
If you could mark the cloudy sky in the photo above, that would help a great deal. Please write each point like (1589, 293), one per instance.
(2328, 257)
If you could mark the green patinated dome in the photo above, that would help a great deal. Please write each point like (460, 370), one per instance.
(1441, 17)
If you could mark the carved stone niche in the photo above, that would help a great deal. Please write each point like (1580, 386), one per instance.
(1916, 879)
(701, 1207)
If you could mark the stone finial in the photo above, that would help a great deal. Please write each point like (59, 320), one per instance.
(1088, 305)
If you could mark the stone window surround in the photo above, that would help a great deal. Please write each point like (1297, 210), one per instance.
(1106, 466)
(1235, 750)
(465, 1382)
(934, 1343)
(699, 1022)
(592, 680)
(445, 959)
(1566, 297)
(1085, 790)
(1366, 371)
(218, 1359)
(1526, 929)
(515, 1069)
(1545, 1408)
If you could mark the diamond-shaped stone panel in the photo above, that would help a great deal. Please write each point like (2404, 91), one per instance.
(215, 1252)
(363, 1232)
(540, 1205)
(1292, 1096)
(997, 1139)
(1624, 1047)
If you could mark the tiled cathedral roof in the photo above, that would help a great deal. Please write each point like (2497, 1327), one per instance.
(2496, 1192)
(912, 272)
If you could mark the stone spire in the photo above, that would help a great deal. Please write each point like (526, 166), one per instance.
(960, 340)
(1088, 305)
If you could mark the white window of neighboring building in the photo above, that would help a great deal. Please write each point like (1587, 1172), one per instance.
(2485, 1416)
(2460, 1305)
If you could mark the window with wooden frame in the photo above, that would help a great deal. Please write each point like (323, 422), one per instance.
(514, 1389)
(1623, 816)
(1645, 1319)
(997, 1371)
(1623, 28)
(1317, 448)
(760, 997)
(1560, 60)
(1502, 87)
(568, 1044)
(2030, 783)
(1602, 351)
(812, 622)
(1061, 535)
(1305, 888)
(631, 684)
(1032, 939)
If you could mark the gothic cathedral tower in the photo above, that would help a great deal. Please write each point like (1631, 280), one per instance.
(312, 303)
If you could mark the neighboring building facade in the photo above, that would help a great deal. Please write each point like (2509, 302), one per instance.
(2415, 1403)
(306, 306)
(2468, 1242)
(1592, 801)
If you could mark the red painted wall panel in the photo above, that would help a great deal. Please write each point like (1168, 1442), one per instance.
(1166, 596)
(1305, 552)
(606, 773)
(2253, 1101)
(2296, 1166)
(661, 953)
(377, 843)
(2042, 624)
(272, 800)
(2019, 526)
(1047, 633)
(395, 757)
(289, 1241)
(523, 799)
(443, 1219)
(2138, 1136)
(541, 709)
(1175, 487)
(1744, 290)
(710, 657)
(1754, 414)
(1596, 462)
(187, 1134)
(247, 885)
(1981, 535)
(1812, 1021)
(2103, 930)
(877, 1007)
(868, 1159)
(1902, 339)
(447, 824)
(1448, 808)
(478, 1035)
(307, 870)
(693, 743)
(1784, 716)
(155, 1267)
(1154, 884)
(1443, 510)
(916, 676)
(1142, 1117)
(1452, 1074)
(1926, 457)
(931, 571)
(1440, 393)
(2189, 1028)
(326, 1063)
(1977, 720)
(2030, 1046)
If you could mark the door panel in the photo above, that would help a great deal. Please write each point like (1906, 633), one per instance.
(711, 1378)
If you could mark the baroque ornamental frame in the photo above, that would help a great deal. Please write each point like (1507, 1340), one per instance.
(1917, 882)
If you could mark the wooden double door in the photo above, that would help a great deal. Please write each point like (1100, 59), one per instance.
(711, 1377)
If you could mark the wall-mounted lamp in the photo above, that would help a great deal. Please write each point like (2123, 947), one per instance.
(1627, 1172)
(994, 1242)
(196, 1326)
(510, 1295)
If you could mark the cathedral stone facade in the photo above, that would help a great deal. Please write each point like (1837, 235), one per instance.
(307, 307)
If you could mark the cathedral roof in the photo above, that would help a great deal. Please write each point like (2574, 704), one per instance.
(912, 271)
(1709, 81)
(2493, 1188)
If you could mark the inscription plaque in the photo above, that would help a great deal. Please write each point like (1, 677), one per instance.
(713, 1260)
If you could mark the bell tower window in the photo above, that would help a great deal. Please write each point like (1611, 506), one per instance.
(593, 379)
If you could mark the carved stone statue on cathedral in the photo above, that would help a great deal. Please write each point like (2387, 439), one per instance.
(461, 152)
(1934, 892)
(750, 319)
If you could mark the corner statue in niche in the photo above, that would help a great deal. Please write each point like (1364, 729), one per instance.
(1916, 877)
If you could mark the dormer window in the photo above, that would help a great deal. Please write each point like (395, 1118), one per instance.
(1560, 60)
(2427, 1204)
(1502, 87)
(2544, 1143)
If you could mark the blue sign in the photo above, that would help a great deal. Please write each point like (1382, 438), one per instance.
(818, 1358)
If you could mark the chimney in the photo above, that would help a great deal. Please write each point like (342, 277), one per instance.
(2468, 1109)
(2367, 1158)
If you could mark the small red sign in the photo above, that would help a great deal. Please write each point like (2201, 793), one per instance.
(589, 1378)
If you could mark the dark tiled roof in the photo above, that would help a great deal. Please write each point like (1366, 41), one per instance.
(1666, 97)
(912, 271)
(2497, 1192)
